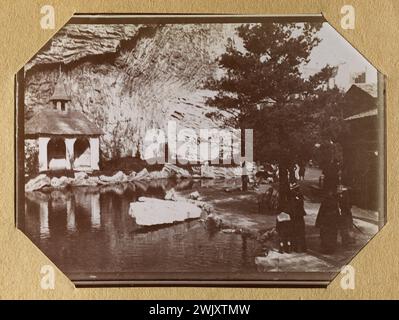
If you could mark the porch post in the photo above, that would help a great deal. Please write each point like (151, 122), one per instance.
(94, 153)
(43, 165)
(69, 142)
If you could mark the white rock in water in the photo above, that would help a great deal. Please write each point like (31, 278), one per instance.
(228, 230)
(194, 195)
(117, 177)
(142, 175)
(170, 195)
(151, 211)
(37, 183)
(89, 182)
(61, 182)
(80, 175)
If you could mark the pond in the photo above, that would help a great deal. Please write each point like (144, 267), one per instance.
(88, 233)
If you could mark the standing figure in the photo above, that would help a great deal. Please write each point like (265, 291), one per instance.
(297, 213)
(265, 201)
(292, 173)
(302, 170)
(345, 221)
(284, 231)
(327, 221)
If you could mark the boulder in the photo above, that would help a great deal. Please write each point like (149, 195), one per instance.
(213, 172)
(213, 221)
(167, 173)
(232, 172)
(206, 207)
(219, 172)
(194, 195)
(229, 231)
(159, 174)
(171, 195)
(37, 183)
(80, 175)
(151, 211)
(61, 182)
(118, 177)
(196, 170)
(207, 172)
(131, 176)
(93, 180)
(89, 182)
(173, 169)
(142, 175)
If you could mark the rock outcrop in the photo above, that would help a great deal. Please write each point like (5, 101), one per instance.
(130, 78)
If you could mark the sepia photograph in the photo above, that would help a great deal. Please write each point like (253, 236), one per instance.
(203, 150)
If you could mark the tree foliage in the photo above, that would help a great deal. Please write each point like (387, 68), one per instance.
(263, 88)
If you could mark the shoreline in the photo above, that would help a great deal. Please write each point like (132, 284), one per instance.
(169, 171)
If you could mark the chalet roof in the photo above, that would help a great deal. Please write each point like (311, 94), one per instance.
(59, 91)
(369, 113)
(369, 88)
(54, 122)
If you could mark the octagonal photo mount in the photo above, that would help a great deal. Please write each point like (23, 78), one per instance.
(199, 150)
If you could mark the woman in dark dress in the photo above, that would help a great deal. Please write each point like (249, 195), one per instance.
(297, 213)
(328, 221)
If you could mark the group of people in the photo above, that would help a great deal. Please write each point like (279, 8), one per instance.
(270, 172)
(334, 218)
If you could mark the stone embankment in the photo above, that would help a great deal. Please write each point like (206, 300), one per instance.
(168, 171)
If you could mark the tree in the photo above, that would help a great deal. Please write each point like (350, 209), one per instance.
(263, 88)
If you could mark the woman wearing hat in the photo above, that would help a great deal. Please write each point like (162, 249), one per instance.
(297, 213)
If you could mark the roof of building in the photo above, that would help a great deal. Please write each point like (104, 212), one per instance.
(369, 88)
(60, 92)
(53, 122)
(369, 113)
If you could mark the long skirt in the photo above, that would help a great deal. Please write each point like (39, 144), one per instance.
(328, 235)
(299, 237)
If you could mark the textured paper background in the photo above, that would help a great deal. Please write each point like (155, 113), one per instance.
(376, 36)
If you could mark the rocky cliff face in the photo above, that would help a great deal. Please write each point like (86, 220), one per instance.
(129, 78)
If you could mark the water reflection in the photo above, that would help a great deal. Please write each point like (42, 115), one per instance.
(88, 231)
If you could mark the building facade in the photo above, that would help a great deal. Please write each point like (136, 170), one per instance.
(66, 139)
(361, 150)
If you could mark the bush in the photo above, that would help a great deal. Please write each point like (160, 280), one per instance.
(31, 158)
